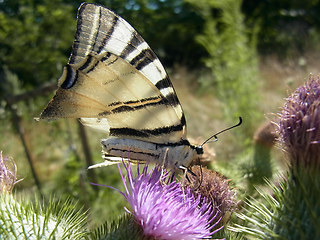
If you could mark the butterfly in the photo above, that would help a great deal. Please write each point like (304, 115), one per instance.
(115, 83)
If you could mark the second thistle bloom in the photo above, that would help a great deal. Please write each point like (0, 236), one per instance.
(167, 211)
(215, 187)
(299, 126)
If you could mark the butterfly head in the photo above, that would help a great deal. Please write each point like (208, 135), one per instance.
(199, 149)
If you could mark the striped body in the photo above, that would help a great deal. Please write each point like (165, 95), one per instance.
(115, 83)
(172, 155)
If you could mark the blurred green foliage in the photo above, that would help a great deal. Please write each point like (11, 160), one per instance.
(286, 27)
(232, 60)
(34, 39)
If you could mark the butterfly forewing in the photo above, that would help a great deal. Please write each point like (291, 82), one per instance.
(101, 30)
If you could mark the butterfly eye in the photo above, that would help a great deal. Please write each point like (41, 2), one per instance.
(199, 149)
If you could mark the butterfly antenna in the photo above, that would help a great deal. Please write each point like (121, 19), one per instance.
(215, 136)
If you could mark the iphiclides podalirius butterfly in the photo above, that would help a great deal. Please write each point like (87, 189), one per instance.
(114, 82)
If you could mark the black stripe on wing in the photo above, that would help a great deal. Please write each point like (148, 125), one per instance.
(132, 151)
(141, 101)
(144, 58)
(145, 133)
(109, 33)
(84, 14)
(75, 46)
(71, 77)
(135, 105)
(172, 97)
(163, 83)
(135, 41)
(89, 65)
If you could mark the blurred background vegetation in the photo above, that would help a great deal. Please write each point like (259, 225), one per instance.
(226, 58)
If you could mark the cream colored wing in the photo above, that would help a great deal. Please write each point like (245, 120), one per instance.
(106, 87)
(100, 30)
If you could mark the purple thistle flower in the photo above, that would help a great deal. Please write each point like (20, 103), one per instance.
(167, 211)
(7, 174)
(299, 126)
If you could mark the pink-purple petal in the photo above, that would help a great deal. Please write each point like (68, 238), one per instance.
(167, 211)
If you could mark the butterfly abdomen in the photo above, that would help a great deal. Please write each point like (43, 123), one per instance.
(141, 151)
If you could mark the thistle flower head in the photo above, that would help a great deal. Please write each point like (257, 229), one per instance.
(7, 174)
(167, 211)
(299, 125)
(215, 187)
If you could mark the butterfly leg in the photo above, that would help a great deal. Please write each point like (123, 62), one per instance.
(163, 166)
(185, 171)
(185, 176)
